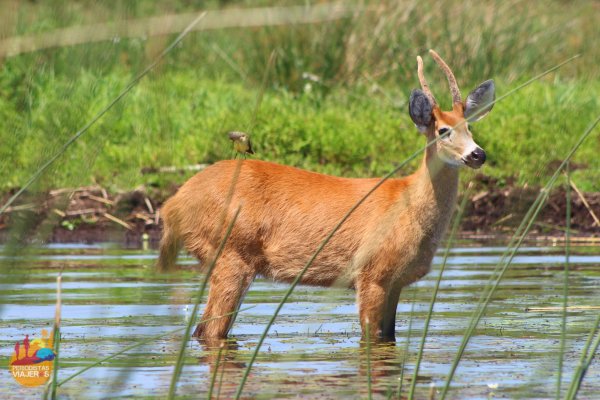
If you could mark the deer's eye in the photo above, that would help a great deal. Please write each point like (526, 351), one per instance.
(443, 130)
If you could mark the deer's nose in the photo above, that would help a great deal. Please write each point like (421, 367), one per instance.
(476, 158)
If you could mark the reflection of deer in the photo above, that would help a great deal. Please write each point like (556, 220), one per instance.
(224, 364)
(386, 244)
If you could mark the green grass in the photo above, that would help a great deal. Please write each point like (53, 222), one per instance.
(180, 119)
(353, 122)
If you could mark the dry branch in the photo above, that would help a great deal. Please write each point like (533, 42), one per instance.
(118, 221)
(585, 203)
(57, 192)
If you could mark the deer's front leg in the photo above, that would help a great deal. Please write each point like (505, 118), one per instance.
(371, 305)
(388, 329)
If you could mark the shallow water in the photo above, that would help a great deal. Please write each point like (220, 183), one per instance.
(112, 299)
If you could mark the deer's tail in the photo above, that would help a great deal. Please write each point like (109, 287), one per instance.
(169, 247)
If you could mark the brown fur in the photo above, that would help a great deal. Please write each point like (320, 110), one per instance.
(386, 244)
(286, 213)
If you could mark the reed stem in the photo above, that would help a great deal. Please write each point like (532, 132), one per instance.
(563, 329)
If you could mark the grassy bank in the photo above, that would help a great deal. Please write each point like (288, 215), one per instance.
(349, 117)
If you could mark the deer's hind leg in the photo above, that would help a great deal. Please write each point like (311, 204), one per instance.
(229, 281)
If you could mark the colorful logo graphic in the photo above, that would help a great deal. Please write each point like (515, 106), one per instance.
(31, 362)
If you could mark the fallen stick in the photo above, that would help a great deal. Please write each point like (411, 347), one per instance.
(118, 221)
(100, 199)
(479, 196)
(585, 203)
(144, 218)
(149, 205)
(58, 212)
(56, 192)
(75, 213)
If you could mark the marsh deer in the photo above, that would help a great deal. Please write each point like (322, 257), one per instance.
(285, 213)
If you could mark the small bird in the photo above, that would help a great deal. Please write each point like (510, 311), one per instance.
(241, 142)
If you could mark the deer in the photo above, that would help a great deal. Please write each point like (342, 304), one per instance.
(284, 213)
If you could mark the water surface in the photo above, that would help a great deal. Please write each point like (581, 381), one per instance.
(112, 299)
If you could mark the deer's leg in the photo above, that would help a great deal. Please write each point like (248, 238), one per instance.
(388, 329)
(229, 281)
(371, 306)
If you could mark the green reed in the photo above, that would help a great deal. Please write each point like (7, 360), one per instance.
(368, 344)
(214, 375)
(52, 387)
(406, 346)
(563, 326)
(585, 360)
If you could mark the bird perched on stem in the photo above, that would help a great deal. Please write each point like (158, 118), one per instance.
(241, 142)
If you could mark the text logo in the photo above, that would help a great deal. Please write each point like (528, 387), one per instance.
(31, 362)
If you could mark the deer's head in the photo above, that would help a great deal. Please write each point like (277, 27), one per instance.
(455, 145)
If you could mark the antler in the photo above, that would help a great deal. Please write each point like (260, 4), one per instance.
(451, 79)
(424, 84)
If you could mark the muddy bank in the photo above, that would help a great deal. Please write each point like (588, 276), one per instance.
(91, 214)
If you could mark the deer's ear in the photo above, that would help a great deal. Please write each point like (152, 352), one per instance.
(420, 110)
(480, 101)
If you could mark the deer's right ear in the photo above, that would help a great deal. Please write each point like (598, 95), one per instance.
(420, 110)
(480, 101)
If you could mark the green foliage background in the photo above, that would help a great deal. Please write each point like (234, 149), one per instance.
(335, 101)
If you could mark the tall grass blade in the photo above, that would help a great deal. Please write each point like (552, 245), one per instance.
(563, 329)
(188, 328)
(214, 375)
(406, 345)
(368, 328)
(454, 229)
(53, 384)
(99, 115)
(585, 360)
(506, 261)
(221, 378)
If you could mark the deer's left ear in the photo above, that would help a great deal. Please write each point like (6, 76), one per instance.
(479, 102)
(420, 110)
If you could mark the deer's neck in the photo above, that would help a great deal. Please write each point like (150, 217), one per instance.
(435, 187)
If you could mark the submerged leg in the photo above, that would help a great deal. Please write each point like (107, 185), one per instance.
(389, 314)
(228, 283)
(371, 304)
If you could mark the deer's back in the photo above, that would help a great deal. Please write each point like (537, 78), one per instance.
(285, 214)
